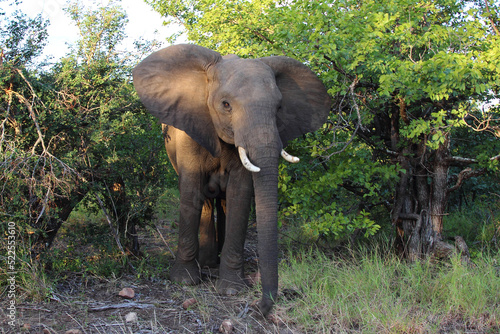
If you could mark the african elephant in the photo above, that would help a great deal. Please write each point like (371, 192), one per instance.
(228, 120)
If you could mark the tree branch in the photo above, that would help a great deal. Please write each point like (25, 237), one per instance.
(409, 216)
(465, 174)
(113, 231)
(459, 161)
(337, 67)
(493, 25)
(359, 125)
(483, 125)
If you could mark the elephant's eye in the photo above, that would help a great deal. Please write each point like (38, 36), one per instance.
(226, 105)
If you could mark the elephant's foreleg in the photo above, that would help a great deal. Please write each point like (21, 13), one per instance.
(208, 237)
(238, 199)
(186, 269)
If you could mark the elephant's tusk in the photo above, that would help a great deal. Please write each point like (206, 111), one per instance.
(246, 162)
(289, 158)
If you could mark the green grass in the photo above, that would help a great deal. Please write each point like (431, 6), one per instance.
(478, 224)
(375, 292)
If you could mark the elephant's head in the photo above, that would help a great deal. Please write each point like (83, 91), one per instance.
(256, 104)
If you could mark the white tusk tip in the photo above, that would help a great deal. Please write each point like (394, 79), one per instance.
(246, 162)
(289, 158)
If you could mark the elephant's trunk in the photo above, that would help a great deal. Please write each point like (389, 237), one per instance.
(266, 207)
(263, 145)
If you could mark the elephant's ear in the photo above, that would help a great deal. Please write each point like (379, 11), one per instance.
(305, 105)
(172, 84)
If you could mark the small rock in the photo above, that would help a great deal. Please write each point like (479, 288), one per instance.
(73, 331)
(131, 317)
(226, 327)
(127, 293)
(45, 331)
(188, 303)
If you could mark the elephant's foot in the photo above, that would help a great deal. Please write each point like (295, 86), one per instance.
(208, 257)
(264, 306)
(187, 273)
(230, 283)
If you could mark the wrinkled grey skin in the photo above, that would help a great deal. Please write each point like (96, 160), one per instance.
(213, 105)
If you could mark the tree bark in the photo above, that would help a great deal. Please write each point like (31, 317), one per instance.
(421, 200)
(63, 207)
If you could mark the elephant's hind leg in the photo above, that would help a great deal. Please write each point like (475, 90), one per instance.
(208, 237)
(220, 206)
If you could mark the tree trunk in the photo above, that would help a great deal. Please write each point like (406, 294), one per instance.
(60, 209)
(421, 200)
(119, 204)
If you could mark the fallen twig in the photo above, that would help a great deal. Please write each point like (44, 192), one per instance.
(34, 309)
(120, 306)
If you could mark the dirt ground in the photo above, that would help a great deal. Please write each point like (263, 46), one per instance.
(93, 305)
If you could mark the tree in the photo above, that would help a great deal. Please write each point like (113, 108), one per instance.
(26, 162)
(78, 122)
(101, 31)
(23, 38)
(407, 78)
